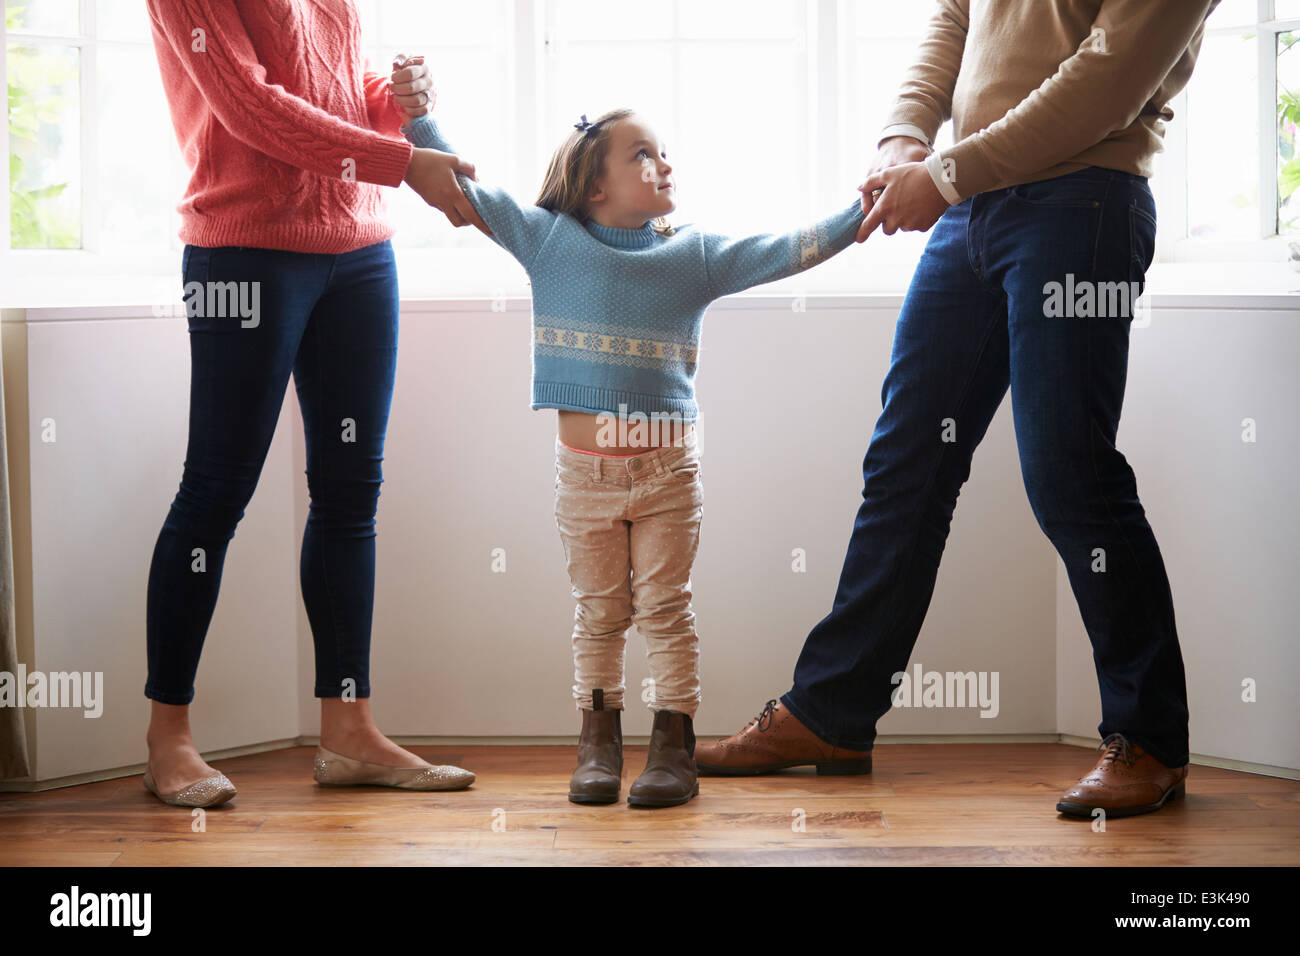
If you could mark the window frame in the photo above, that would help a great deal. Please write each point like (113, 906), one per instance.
(531, 50)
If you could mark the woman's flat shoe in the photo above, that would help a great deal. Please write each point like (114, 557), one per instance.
(209, 792)
(337, 770)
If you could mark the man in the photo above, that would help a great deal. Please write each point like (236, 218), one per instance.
(1058, 108)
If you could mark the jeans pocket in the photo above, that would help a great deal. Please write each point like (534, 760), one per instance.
(1142, 240)
(686, 470)
(571, 476)
(1084, 193)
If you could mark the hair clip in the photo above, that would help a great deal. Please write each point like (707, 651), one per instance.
(585, 126)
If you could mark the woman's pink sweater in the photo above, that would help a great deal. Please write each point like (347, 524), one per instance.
(286, 133)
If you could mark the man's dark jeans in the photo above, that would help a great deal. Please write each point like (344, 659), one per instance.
(980, 316)
(331, 321)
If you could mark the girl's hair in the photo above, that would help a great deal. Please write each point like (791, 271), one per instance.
(576, 165)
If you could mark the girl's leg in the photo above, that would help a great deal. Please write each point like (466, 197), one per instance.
(240, 365)
(344, 374)
(590, 514)
(665, 537)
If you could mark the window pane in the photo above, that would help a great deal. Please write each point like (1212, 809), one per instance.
(405, 25)
(602, 20)
(740, 163)
(122, 20)
(1232, 13)
(44, 147)
(1222, 133)
(1286, 9)
(137, 188)
(738, 19)
(1288, 131)
(43, 16)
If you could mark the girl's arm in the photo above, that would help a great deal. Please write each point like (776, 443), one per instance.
(733, 265)
(263, 115)
(520, 230)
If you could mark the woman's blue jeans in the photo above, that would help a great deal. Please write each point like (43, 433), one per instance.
(982, 315)
(331, 321)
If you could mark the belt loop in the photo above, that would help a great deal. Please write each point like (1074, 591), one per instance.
(595, 467)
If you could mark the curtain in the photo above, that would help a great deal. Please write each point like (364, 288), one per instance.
(13, 738)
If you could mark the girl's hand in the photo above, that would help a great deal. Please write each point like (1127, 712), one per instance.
(411, 86)
(432, 174)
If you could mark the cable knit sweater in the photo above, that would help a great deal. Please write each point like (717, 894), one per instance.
(617, 312)
(288, 137)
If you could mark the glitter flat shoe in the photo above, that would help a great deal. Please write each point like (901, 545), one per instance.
(209, 792)
(337, 770)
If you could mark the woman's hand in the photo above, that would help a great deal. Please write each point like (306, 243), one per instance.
(432, 174)
(411, 85)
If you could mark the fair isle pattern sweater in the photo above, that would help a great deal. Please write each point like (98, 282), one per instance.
(617, 312)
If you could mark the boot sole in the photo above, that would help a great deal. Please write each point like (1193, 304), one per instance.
(825, 768)
(593, 798)
(1084, 810)
(659, 802)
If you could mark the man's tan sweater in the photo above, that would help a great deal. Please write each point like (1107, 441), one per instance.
(1041, 88)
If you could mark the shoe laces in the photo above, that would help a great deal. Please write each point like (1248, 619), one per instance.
(1117, 747)
(765, 718)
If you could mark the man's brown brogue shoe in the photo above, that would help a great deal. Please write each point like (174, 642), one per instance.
(775, 740)
(1126, 781)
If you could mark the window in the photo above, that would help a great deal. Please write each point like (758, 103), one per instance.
(769, 110)
(1242, 111)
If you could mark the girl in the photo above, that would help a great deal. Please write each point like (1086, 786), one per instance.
(618, 299)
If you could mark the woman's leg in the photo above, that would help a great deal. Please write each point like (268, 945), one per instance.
(344, 374)
(240, 367)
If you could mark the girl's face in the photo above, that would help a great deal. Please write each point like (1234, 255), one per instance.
(637, 183)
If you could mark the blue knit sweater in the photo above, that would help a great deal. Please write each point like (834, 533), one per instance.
(617, 312)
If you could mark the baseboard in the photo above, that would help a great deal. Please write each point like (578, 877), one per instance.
(24, 785)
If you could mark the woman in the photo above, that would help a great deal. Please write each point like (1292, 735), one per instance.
(288, 269)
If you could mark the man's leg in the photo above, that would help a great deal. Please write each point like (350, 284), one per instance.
(1070, 311)
(948, 374)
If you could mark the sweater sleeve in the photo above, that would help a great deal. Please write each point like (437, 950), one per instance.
(520, 230)
(1100, 88)
(924, 99)
(261, 114)
(732, 265)
(385, 116)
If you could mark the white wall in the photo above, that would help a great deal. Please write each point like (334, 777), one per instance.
(117, 391)
(1225, 515)
(461, 651)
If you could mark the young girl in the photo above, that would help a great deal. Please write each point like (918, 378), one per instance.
(618, 299)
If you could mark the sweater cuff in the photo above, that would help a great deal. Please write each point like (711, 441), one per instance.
(387, 163)
(904, 129)
(934, 164)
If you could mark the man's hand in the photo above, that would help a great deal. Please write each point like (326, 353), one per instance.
(893, 152)
(910, 200)
(432, 174)
(411, 86)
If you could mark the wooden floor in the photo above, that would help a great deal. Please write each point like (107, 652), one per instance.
(955, 804)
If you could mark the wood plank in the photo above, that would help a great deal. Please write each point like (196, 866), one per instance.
(924, 804)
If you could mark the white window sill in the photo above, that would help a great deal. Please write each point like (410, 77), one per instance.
(841, 284)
